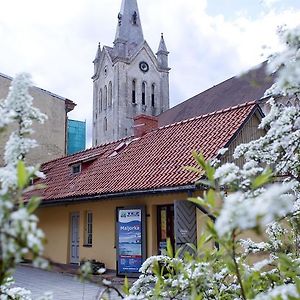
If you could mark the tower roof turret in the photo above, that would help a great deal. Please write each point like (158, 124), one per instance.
(162, 45)
(98, 54)
(129, 28)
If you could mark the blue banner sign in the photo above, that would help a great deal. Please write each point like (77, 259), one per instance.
(130, 240)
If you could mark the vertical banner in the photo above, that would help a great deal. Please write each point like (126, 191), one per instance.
(131, 241)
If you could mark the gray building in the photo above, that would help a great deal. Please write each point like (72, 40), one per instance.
(129, 79)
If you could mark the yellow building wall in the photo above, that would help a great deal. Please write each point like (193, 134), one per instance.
(55, 222)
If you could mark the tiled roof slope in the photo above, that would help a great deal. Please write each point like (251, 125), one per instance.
(234, 91)
(153, 161)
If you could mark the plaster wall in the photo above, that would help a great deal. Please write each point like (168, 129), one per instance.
(55, 221)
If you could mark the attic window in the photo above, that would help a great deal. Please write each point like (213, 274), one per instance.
(76, 169)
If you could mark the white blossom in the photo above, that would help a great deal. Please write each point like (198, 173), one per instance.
(282, 291)
(242, 211)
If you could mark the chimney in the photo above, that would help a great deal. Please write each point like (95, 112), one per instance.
(144, 124)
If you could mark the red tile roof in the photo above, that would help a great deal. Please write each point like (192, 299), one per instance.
(153, 161)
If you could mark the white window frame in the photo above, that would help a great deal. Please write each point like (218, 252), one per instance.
(88, 234)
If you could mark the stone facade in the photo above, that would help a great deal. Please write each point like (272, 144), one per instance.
(51, 136)
(129, 79)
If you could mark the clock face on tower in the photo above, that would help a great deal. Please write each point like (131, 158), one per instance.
(144, 66)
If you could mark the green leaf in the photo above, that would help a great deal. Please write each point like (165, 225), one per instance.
(33, 204)
(170, 248)
(22, 174)
(126, 286)
(198, 201)
(262, 179)
(211, 196)
(193, 169)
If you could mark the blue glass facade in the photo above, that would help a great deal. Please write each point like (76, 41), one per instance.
(76, 136)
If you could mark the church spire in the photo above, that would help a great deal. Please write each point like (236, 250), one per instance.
(162, 54)
(129, 28)
(98, 54)
(162, 45)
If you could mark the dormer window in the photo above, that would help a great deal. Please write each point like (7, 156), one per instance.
(76, 169)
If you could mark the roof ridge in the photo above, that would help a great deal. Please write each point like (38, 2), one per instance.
(38, 88)
(253, 102)
(248, 103)
(86, 150)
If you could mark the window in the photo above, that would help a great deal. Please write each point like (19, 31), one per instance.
(110, 94)
(134, 18)
(143, 93)
(105, 97)
(88, 233)
(105, 124)
(76, 169)
(153, 95)
(100, 100)
(96, 105)
(133, 91)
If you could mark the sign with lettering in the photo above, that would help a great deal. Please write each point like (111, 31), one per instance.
(130, 240)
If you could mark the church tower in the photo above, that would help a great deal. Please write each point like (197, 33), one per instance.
(129, 79)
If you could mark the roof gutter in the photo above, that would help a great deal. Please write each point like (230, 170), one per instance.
(94, 198)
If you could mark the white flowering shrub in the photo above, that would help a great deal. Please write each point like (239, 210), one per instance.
(19, 232)
(261, 198)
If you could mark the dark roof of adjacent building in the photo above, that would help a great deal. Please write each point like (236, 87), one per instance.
(231, 92)
(151, 162)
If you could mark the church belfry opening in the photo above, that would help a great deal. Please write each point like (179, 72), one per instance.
(129, 79)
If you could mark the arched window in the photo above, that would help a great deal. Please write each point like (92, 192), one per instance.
(100, 101)
(133, 92)
(96, 105)
(144, 93)
(289, 103)
(105, 124)
(153, 95)
(105, 97)
(110, 94)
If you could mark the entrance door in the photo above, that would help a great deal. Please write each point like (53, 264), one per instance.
(165, 227)
(74, 243)
(185, 225)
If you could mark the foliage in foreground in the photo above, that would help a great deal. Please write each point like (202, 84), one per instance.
(19, 232)
(261, 199)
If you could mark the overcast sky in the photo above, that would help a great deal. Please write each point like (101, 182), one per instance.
(209, 41)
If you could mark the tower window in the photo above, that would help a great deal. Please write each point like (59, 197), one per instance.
(143, 93)
(100, 101)
(134, 18)
(133, 91)
(153, 95)
(105, 124)
(110, 94)
(96, 105)
(105, 97)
